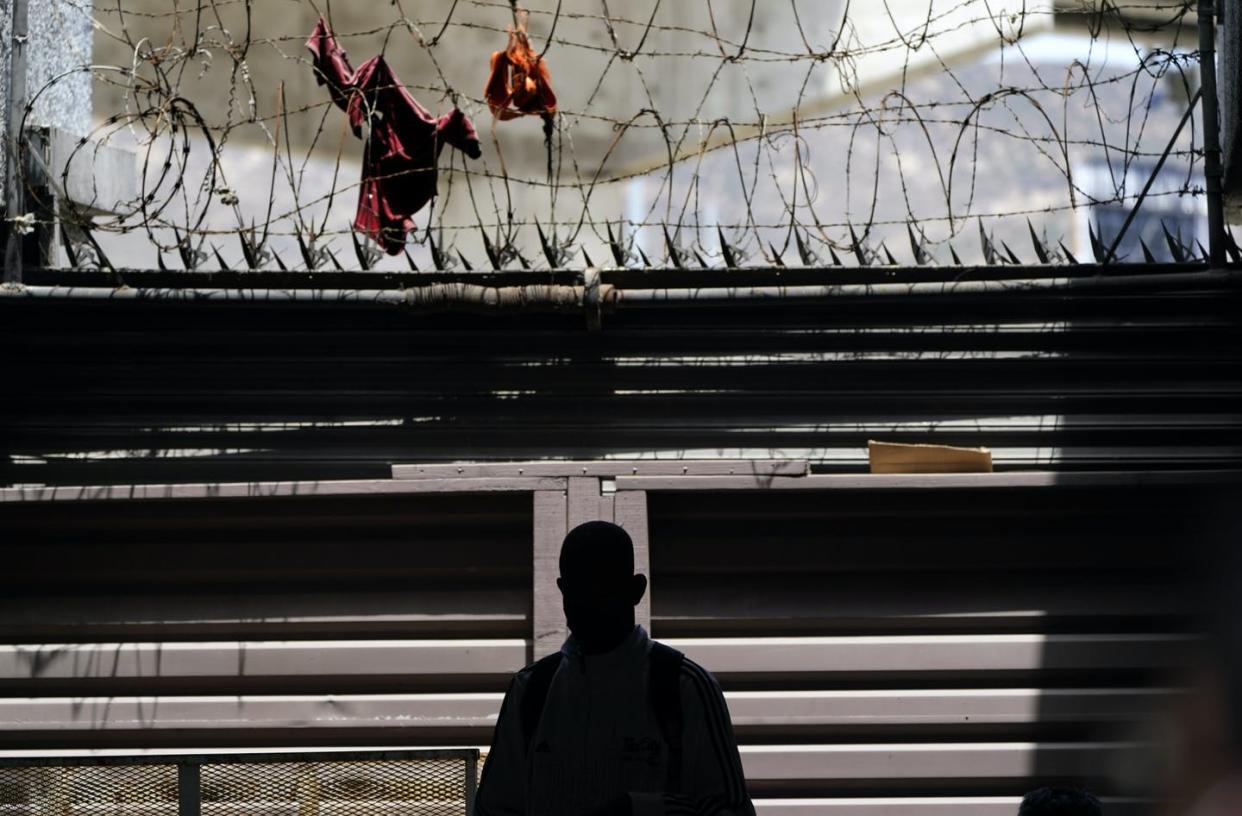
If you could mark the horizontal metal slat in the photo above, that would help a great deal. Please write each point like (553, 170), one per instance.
(932, 653)
(751, 712)
(1202, 334)
(257, 490)
(792, 602)
(1020, 438)
(359, 611)
(221, 662)
(925, 806)
(942, 762)
(233, 660)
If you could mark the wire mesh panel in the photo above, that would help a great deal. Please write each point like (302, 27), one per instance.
(438, 783)
(89, 790)
(361, 788)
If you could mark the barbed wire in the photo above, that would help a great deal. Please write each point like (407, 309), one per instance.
(701, 133)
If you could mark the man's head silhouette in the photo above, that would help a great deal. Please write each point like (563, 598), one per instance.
(598, 585)
(1059, 802)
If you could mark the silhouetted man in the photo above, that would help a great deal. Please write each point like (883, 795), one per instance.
(615, 723)
(1059, 802)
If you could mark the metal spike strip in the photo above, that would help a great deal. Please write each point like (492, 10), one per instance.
(1069, 256)
(804, 253)
(1175, 246)
(549, 250)
(187, 257)
(224, 267)
(364, 262)
(674, 256)
(618, 253)
(730, 258)
(1041, 252)
(492, 256)
(307, 258)
(1097, 249)
(437, 258)
(1231, 247)
(920, 256)
(989, 251)
(859, 255)
(249, 253)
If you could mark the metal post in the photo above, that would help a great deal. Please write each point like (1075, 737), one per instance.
(17, 110)
(189, 789)
(472, 780)
(1211, 133)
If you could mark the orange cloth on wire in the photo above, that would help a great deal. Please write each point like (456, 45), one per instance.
(519, 84)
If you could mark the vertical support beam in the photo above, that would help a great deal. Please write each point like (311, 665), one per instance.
(556, 513)
(547, 616)
(584, 500)
(14, 199)
(189, 789)
(472, 780)
(1212, 169)
(631, 514)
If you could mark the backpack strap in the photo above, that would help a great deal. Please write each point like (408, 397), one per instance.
(536, 695)
(664, 681)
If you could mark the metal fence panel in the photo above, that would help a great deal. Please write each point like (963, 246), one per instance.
(402, 783)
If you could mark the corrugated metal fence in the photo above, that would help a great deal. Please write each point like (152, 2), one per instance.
(885, 647)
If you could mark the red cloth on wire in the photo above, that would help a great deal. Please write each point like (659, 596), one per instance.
(519, 83)
(402, 144)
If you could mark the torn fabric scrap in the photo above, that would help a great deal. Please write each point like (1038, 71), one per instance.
(403, 140)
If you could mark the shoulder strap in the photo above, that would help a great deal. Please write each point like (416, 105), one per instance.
(536, 694)
(664, 680)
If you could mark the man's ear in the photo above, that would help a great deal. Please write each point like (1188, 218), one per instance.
(638, 588)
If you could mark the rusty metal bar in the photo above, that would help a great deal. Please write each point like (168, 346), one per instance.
(466, 297)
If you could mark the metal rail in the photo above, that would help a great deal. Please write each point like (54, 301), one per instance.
(564, 298)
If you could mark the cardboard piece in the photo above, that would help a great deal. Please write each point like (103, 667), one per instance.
(894, 457)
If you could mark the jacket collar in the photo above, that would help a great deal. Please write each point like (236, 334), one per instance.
(632, 651)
